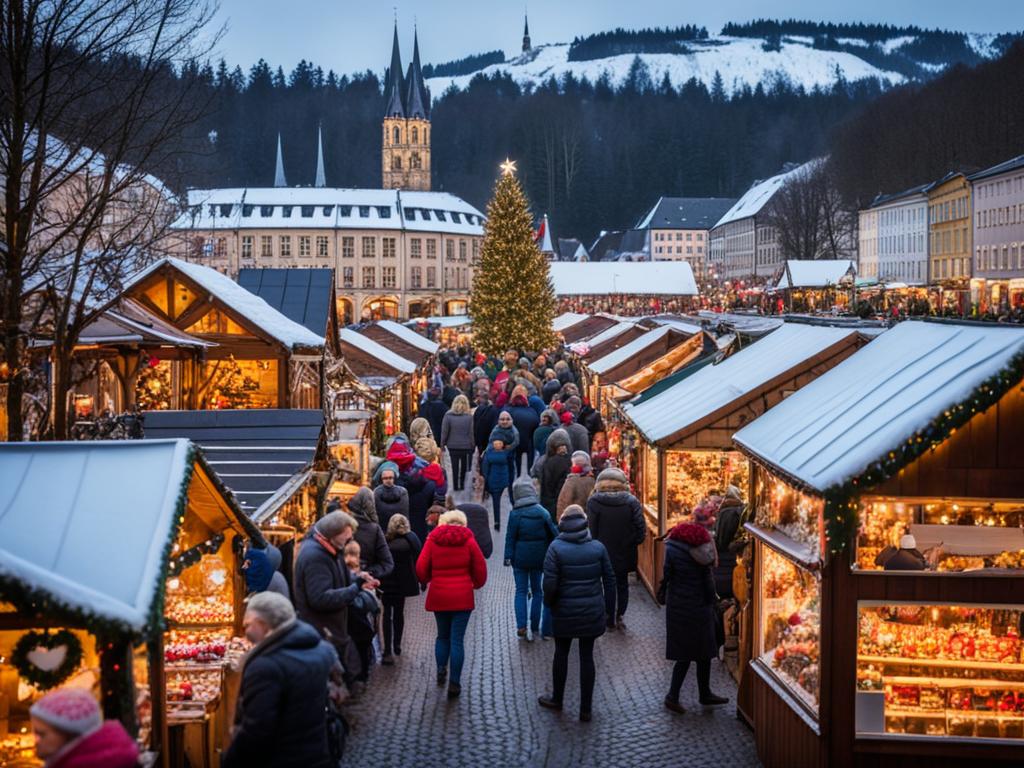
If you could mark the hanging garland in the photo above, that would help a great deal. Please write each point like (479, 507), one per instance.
(194, 554)
(842, 500)
(25, 657)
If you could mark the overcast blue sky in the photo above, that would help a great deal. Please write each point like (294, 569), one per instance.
(355, 35)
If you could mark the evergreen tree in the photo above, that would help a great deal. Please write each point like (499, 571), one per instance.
(512, 302)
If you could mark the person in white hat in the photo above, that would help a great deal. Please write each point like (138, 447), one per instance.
(70, 733)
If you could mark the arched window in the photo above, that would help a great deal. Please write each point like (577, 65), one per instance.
(396, 163)
(415, 135)
(426, 135)
(414, 160)
(397, 135)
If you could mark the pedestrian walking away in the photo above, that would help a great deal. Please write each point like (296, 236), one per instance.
(453, 567)
(433, 410)
(557, 463)
(374, 554)
(530, 531)
(688, 592)
(457, 437)
(398, 585)
(577, 486)
(579, 586)
(617, 521)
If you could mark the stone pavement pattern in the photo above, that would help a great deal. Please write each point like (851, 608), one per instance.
(404, 719)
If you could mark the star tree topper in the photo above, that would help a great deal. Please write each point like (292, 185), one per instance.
(508, 168)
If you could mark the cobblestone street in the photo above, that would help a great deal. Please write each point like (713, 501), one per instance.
(404, 718)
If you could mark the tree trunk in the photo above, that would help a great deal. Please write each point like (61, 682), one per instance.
(61, 373)
(13, 359)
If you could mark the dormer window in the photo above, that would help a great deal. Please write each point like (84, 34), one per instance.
(364, 211)
(266, 211)
(383, 212)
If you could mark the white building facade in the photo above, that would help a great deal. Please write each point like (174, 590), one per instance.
(894, 238)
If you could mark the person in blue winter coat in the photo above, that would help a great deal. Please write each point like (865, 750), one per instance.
(579, 586)
(498, 474)
(526, 420)
(530, 531)
(506, 431)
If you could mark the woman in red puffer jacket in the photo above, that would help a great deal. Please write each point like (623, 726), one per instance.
(453, 565)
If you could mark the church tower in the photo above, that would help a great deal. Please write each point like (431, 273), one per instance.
(526, 35)
(405, 152)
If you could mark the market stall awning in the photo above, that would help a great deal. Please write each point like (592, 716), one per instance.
(255, 453)
(871, 403)
(566, 320)
(368, 358)
(590, 325)
(87, 526)
(608, 340)
(817, 273)
(700, 398)
(634, 278)
(402, 341)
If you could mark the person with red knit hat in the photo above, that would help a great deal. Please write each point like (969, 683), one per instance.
(70, 733)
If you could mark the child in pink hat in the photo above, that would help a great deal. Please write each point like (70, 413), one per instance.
(70, 733)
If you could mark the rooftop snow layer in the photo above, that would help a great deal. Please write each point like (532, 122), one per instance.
(873, 401)
(372, 348)
(567, 320)
(657, 278)
(715, 386)
(409, 336)
(818, 273)
(622, 354)
(606, 334)
(755, 198)
(248, 305)
(113, 504)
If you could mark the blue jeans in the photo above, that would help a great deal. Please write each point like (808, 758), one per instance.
(451, 632)
(527, 580)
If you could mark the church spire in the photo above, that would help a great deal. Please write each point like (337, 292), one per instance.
(321, 179)
(393, 84)
(418, 97)
(526, 34)
(279, 180)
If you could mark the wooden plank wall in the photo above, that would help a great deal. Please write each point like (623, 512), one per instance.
(783, 739)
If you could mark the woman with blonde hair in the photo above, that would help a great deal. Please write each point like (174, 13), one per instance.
(453, 567)
(457, 438)
(401, 583)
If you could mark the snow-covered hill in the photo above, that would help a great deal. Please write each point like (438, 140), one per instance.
(741, 61)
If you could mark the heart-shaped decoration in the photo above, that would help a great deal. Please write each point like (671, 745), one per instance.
(46, 660)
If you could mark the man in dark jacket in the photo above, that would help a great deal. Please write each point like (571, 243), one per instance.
(433, 410)
(374, 555)
(526, 420)
(557, 463)
(389, 498)
(579, 587)
(324, 589)
(280, 721)
(617, 521)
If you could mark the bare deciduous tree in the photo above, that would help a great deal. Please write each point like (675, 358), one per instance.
(89, 100)
(809, 217)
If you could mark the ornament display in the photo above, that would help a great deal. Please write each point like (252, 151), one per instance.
(47, 659)
(787, 510)
(212, 609)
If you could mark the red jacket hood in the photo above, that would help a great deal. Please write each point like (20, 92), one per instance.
(110, 747)
(401, 454)
(450, 535)
(434, 473)
(690, 533)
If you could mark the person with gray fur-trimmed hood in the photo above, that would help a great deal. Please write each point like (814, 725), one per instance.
(374, 555)
(557, 464)
(617, 521)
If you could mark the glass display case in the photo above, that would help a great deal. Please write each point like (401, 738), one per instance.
(785, 509)
(789, 624)
(940, 670)
(649, 474)
(696, 478)
(954, 535)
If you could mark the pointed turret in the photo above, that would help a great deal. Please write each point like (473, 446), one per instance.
(526, 34)
(279, 179)
(417, 102)
(321, 179)
(394, 86)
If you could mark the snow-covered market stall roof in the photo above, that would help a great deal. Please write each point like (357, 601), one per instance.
(250, 306)
(444, 321)
(567, 320)
(873, 402)
(402, 341)
(366, 357)
(589, 326)
(640, 352)
(817, 273)
(647, 278)
(263, 455)
(700, 398)
(87, 527)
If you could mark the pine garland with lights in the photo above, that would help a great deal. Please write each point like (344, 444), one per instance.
(512, 302)
(843, 499)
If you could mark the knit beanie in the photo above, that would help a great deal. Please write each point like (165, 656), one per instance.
(573, 510)
(566, 417)
(612, 473)
(70, 710)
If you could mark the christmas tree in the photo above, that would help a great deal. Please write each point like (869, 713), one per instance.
(512, 301)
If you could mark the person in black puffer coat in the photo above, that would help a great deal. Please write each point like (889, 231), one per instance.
(557, 463)
(433, 410)
(617, 521)
(280, 722)
(526, 420)
(688, 589)
(388, 496)
(401, 583)
(579, 588)
(374, 555)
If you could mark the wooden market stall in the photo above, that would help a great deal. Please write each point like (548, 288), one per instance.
(862, 660)
(608, 340)
(408, 345)
(261, 358)
(808, 285)
(449, 331)
(577, 327)
(382, 382)
(138, 599)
